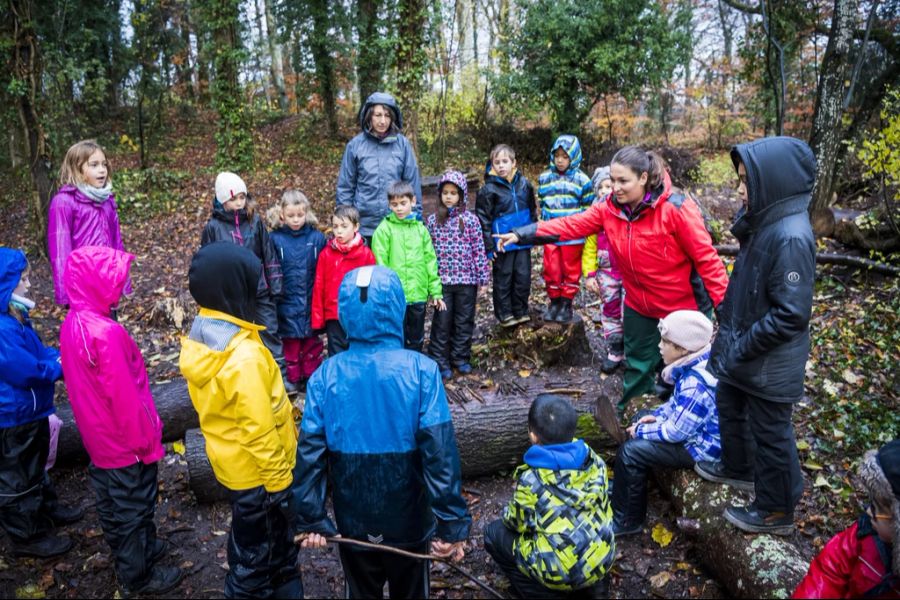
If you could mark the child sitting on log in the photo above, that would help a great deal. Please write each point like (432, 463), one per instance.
(676, 434)
(555, 538)
(863, 561)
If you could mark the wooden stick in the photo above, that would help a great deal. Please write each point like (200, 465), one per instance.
(416, 555)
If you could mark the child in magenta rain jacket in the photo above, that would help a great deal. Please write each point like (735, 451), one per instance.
(116, 416)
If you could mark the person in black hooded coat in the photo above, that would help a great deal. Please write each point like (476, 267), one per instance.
(760, 352)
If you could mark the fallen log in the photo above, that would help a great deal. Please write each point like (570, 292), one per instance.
(541, 343)
(172, 403)
(749, 565)
(491, 428)
(833, 258)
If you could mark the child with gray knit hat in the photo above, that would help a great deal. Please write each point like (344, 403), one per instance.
(676, 434)
(863, 561)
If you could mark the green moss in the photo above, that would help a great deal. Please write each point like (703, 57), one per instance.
(588, 428)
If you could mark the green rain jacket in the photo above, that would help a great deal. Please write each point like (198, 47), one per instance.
(404, 246)
(562, 513)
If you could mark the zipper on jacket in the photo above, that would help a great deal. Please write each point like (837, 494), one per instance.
(633, 270)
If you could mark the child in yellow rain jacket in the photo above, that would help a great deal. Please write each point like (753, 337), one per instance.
(247, 420)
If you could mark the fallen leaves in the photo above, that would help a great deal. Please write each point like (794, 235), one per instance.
(661, 535)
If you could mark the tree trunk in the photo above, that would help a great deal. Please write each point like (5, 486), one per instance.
(750, 566)
(827, 130)
(277, 66)
(491, 428)
(27, 68)
(260, 31)
(320, 47)
(369, 59)
(172, 403)
(411, 64)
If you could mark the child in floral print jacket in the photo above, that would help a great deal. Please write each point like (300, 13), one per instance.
(463, 266)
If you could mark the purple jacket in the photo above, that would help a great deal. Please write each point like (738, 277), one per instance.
(459, 242)
(77, 221)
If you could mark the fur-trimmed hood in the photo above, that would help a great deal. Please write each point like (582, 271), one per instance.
(881, 476)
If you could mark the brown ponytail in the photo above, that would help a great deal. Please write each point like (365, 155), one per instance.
(642, 161)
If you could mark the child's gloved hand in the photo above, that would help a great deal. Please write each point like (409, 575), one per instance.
(455, 551)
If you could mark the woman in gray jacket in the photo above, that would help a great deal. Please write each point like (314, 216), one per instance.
(375, 158)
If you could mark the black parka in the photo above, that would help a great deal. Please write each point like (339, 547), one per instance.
(763, 340)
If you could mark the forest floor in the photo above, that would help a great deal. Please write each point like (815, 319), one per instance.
(853, 401)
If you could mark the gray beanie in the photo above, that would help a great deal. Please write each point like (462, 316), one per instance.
(600, 173)
(690, 329)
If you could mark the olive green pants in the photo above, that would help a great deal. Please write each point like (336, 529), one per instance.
(642, 358)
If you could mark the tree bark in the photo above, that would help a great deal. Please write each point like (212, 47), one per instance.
(369, 59)
(827, 130)
(277, 62)
(410, 64)
(320, 47)
(491, 428)
(172, 403)
(750, 566)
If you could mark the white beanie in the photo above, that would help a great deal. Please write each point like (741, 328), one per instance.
(690, 329)
(229, 185)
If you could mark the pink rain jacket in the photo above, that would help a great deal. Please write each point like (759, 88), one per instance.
(103, 367)
(76, 221)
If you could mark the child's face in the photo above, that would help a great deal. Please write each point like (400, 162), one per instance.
(24, 284)
(94, 171)
(344, 229)
(381, 119)
(605, 188)
(293, 216)
(628, 186)
(401, 206)
(882, 521)
(670, 352)
(236, 202)
(450, 195)
(742, 184)
(503, 164)
(561, 160)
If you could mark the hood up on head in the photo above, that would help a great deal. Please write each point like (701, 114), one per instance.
(12, 264)
(572, 147)
(880, 472)
(371, 306)
(380, 98)
(224, 277)
(95, 277)
(778, 169)
(459, 180)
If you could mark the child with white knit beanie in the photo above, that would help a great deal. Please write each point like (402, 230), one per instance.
(676, 434)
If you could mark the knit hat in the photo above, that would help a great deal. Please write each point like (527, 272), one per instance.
(459, 180)
(880, 472)
(689, 329)
(229, 185)
(600, 173)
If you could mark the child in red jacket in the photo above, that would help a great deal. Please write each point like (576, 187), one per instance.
(343, 253)
(863, 561)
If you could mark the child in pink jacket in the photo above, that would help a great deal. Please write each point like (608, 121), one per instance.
(110, 396)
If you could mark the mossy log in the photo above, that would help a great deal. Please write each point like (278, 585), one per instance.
(172, 403)
(490, 424)
(541, 343)
(749, 565)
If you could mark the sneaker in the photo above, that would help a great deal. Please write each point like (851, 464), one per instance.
(621, 531)
(464, 369)
(715, 472)
(757, 520)
(552, 309)
(162, 580)
(565, 313)
(446, 374)
(65, 515)
(507, 322)
(43, 547)
(609, 365)
(521, 319)
(159, 549)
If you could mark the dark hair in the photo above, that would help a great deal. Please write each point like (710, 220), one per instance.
(345, 211)
(500, 149)
(552, 419)
(443, 213)
(398, 189)
(642, 161)
(367, 119)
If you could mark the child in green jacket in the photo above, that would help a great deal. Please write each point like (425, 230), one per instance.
(402, 243)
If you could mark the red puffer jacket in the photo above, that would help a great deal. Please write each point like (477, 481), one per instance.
(849, 566)
(335, 261)
(665, 254)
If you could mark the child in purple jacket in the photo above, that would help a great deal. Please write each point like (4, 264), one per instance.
(463, 266)
(83, 211)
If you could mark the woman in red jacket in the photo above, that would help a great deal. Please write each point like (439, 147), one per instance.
(665, 254)
(863, 561)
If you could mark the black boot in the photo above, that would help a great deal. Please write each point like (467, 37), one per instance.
(65, 515)
(565, 313)
(43, 547)
(162, 580)
(159, 549)
(552, 309)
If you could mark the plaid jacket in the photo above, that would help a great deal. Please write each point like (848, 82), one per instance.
(562, 514)
(690, 416)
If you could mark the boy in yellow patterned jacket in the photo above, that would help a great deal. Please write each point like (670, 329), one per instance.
(247, 420)
(555, 538)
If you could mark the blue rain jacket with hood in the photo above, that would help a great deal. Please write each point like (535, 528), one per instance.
(371, 164)
(298, 252)
(376, 424)
(763, 340)
(27, 367)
